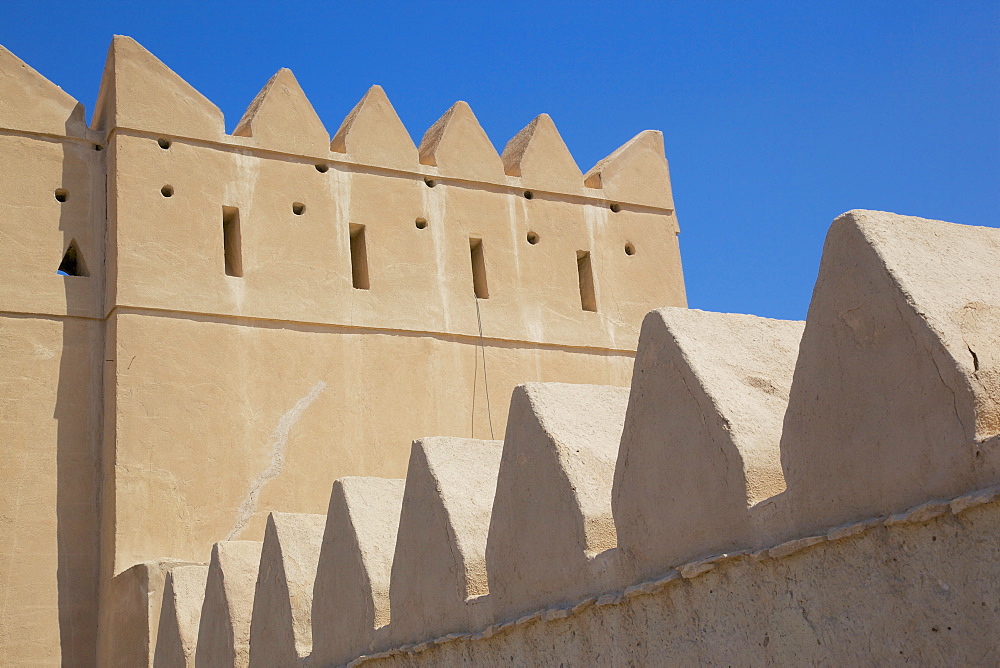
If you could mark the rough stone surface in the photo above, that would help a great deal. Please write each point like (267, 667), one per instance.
(552, 516)
(351, 595)
(922, 594)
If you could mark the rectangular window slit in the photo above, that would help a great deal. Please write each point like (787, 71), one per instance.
(359, 258)
(232, 242)
(479, 269)
(586, 272)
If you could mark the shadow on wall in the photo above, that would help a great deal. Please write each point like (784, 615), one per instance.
(78, 403)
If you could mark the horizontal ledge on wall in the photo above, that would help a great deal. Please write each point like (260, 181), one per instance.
(318, 327)
(93, 139)
(510, 185)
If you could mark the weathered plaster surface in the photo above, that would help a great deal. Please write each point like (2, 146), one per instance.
(924, 593)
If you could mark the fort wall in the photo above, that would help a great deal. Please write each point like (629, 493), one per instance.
(244, 311)
(891, 595)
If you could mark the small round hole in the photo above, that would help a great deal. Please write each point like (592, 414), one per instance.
(61, 195)
(629, 249)
(98, 147)
(430, 183)
(164, 143)
(298, 208)
(321, 168)
(167, 191)
(421, 223)
(615, 208)
(532, 238)
(528, 194)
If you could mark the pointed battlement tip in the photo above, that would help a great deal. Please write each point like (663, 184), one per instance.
(31, 103)
(351, 593)
(180, 615)
(282, 118)
(539, 156)
(373, 133)
(281, 626)
(439, 562)
(552, 509)
(636, 172)
(458, 146)
(700, 444)
(138, 91)
(895, 394)
(224, 627)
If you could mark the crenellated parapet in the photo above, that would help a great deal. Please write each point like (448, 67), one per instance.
(647, 510)
(307, 211)
(293, 196)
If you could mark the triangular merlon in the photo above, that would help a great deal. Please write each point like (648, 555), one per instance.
(282, 118)
(539, 156)
(138, 91)
(31, 103)
(373, 133)
(458, 146)
(637, 172)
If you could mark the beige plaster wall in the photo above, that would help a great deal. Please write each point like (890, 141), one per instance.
(298, 267)
(285, 410)
(49, 423)
(36, 229)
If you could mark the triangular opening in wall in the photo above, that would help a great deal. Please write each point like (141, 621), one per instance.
(72, 263)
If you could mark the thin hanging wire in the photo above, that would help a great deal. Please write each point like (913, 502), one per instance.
(475, 383)
(486, 380)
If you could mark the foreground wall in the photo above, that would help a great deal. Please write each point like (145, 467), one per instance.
(690, 518)
(920, 592)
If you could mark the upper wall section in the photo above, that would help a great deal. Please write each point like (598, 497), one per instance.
(51, 198)
(280, 222)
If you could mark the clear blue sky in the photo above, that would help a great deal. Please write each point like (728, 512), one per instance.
(777, 116)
